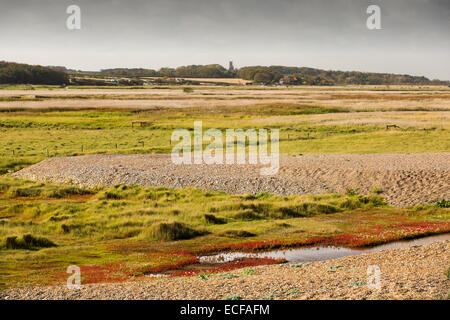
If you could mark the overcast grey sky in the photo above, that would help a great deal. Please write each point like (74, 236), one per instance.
(328, 34)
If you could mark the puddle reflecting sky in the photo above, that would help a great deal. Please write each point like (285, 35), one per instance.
(318, 253)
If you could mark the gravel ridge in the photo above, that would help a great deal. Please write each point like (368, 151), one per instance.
(406, 179)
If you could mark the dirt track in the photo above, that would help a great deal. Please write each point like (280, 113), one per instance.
(405, 179)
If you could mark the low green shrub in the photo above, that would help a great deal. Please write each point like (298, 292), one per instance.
(443, 204)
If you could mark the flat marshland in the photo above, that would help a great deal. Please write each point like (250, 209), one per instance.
(132, 228)
(311, 120)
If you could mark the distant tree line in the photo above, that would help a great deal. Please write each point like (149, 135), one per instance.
(16, 73)
(311, 76)
(277, 74)
(127, 73)
(193, 71)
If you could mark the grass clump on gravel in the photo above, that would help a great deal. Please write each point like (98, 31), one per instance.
(227, 275)
(233, 297)
(294, 292)
(248, 271)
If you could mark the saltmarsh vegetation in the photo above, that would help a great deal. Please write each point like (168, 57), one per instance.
(124, 231)
(144, 213)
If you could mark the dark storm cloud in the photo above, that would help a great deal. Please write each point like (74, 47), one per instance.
(329, 34)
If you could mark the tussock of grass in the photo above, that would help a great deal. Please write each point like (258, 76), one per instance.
(170, 231)
(24, 192)
(212, 219)
(27, 241)
(307, 209)
(261, 195)
(109, 195)
(14, 188)
(12, 164)
(66, 191)
(356, 202)
(247, 215)
(279, 210)
(237, 234)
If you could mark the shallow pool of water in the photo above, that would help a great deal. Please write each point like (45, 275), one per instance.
(319, 253)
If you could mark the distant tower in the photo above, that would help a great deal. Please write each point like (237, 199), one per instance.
(231, 67)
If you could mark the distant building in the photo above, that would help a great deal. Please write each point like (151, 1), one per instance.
(231, 67)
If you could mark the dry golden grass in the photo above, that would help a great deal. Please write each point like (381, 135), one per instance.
(348, 98)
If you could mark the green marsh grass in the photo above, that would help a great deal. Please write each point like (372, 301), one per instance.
(144, 227)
